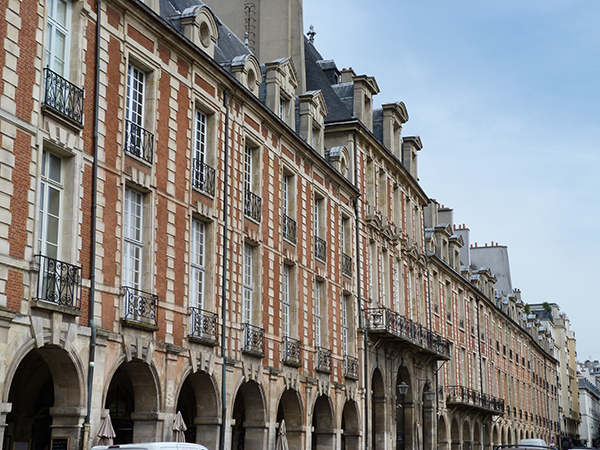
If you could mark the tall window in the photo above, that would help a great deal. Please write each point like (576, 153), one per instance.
(50, 205)
(133, 245)
(134, 112)
(285, 310)
(318, 299)
(200, 136)
(248, 284)
(57, 46)
(198, 265)
(317, 224)
(248, 179)
(289, 224)
(345, 322)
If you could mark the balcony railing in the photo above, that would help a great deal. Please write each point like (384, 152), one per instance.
(139, 142)
(291, 352)
(140, 306)
(254, 340)
(320, 249)
(465, 396)
(252, 205)
(390, 323)
(323, 360)
(203, 177)
(289, 228)
(204, 325)
(351, 369)
(63, 97)
(58, 282)
(346, 265)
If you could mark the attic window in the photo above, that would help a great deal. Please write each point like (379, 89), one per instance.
(204, 34)
(251, 79)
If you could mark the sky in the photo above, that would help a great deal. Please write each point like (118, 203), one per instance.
(505, 96)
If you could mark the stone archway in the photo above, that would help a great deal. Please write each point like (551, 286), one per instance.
(443, 443)
(133, 401)
(495, 437)
(47, 398)
(378, 410)
(290, 409)
(249, 431)
(323, 436)
(405, 411)
(199, 404)
(350, 426)
(476, 436)
(455, 435)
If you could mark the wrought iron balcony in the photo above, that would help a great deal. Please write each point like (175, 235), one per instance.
(252, 205)
(139, 142)
(204, 326)
(470, 398)
(351, 369)
(346, 265)
(254, 340)
(58, 282)
(291, 352)
(320, 249)
(63, 97)
(289, 228)
(323, 360)
(140, 306)
(394, 326)
(203, 177)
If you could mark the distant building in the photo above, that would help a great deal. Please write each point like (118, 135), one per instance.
(589, 402)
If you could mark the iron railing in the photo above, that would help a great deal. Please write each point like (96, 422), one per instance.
(323, 360)
(138, 141)
(63, 96)
(291, 351)
(254, 340)
(289, 228)
(203, 177)
(204, 325)
(384, 320)
(470, 397)
(320, 249)
(58, 282)
(346, 265)
(140, 306)
(351, 364)
(252, 205)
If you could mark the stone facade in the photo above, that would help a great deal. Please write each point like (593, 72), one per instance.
(187, 227)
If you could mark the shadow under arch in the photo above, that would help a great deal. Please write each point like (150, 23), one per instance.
(323, 436)
(350, 426)
(290, 409)
(249, 431)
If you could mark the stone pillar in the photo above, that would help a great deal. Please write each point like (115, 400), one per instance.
(67, 421)
(324, 438)
(255, 435)
(409, 424)
(5, 408)
(208, 431)
(429, 427)
(295, 436)
(147, 426)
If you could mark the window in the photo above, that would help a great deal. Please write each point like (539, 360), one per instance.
(57, 45)
(318, 305)
(373, 271)
(289, 224)
(133, 245)
(386, 278)
(345, 322)
(203, 175)
(247, 307)
(198, 265)
(138, 141)
(252, 202)
(285, 307)
(320, 243)
(346, 244)
(50, 205)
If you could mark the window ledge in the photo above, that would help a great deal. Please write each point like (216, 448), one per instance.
(57, 115)
(201, 340)
(49, 306)
(140, 325)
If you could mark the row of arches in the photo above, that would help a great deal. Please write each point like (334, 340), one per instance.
(46, 391)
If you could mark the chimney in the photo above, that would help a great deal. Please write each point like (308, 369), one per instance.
(364, 89)
(410, 146)
(394, 115)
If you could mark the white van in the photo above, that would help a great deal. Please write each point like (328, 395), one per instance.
(532, 443)
(152, 446)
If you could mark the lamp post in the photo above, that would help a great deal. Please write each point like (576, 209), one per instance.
(402, 390)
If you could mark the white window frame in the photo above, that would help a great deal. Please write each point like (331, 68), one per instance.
(285, 200)
(133, 245)
(198, 265)
(248, 296)
(200, 135)
(317, 213)
(54, 33)
(136, 95)
(49, 182)
(285, 308)
(248, 167)
(318, 301)
(345, 328)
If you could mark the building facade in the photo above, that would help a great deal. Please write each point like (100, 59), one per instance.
(196, 221)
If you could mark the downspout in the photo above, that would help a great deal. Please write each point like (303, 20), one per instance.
(92, 355)
(224, 284)
(477, 300)
(361, 318)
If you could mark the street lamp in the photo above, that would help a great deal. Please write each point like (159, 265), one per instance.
(429, 395)
(402, 390)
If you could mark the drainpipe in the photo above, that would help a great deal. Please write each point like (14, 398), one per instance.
(224, 284)
(361, 319)
(92, 355)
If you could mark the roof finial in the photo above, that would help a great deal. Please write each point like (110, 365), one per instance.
(246, 39)
(311, 34)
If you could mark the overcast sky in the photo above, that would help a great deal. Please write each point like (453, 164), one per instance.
(505, 96)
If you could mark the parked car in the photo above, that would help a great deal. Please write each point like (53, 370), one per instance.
(152, 446)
